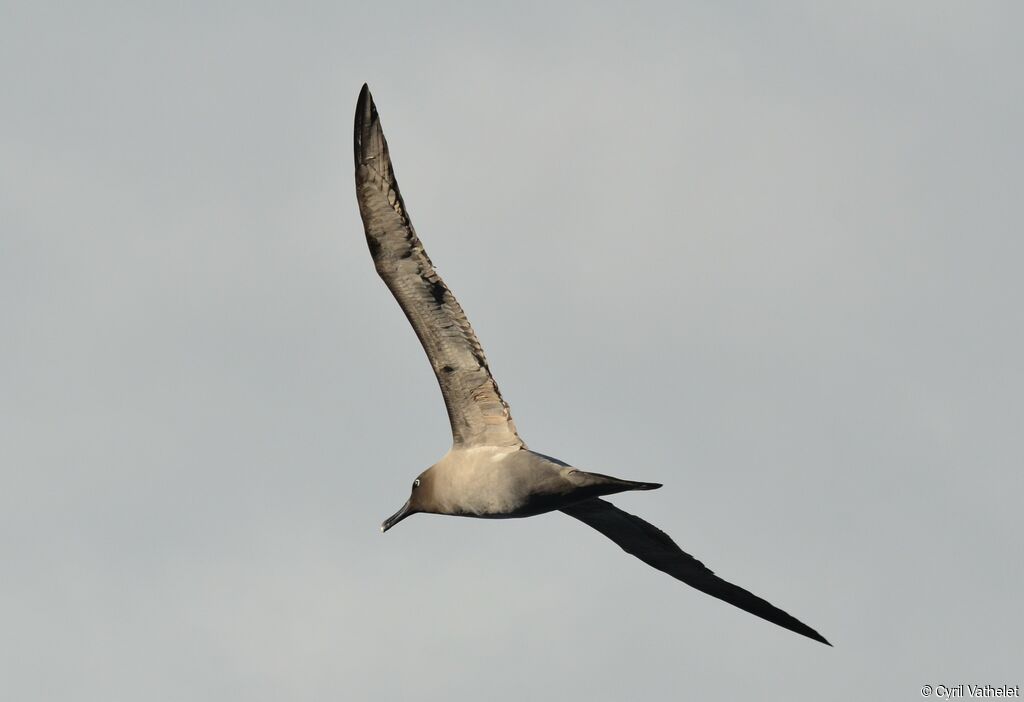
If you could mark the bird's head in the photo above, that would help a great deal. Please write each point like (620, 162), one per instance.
(420, 500)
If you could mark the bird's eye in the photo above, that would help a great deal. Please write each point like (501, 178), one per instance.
(416, 483)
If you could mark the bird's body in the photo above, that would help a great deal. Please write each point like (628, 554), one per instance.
(491, 482)
(489, 472)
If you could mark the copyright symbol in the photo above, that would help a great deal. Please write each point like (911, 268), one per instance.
(926, 691)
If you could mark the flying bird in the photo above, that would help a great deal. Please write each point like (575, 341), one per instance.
(489, 472)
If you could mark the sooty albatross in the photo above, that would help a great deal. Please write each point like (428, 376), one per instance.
(489, 472)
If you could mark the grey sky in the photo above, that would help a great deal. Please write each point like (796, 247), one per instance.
(769, 256)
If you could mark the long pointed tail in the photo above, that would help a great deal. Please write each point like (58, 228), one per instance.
(595, 484)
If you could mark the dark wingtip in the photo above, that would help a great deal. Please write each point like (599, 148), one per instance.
(808, 632)
(648, 486)
(364, 106)
(366, 111)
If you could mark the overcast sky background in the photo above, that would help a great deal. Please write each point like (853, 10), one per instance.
(770, 256)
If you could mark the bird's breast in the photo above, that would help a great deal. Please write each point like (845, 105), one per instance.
(496, 485)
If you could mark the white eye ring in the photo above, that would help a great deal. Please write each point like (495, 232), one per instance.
(416, 483)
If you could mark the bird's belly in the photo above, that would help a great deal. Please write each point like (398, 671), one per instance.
(529, 508)
(492, 492)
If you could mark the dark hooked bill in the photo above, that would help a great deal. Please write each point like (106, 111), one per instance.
(396, 517)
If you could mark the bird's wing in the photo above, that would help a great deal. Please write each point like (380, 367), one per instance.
(655, 548)
(478, 414)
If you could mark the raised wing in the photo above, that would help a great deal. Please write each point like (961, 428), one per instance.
(655, 548)
(478, 414)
